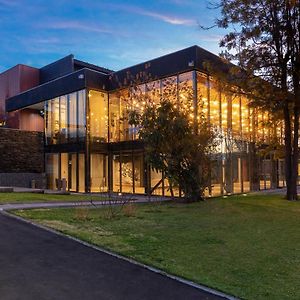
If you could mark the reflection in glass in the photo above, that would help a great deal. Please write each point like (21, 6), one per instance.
(81, 173)
(52, 169)
(127, 174)
(72, 117)
(202, 97)
(214, 104)
(125, 107)
(81, 96)
(114, 118)
(63, 119)
(98, 116)
(99, 167)
(73, 168)
(64, 167)
(116, 174)
(138, 162)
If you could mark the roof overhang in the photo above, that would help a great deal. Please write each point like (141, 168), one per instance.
(81, 79)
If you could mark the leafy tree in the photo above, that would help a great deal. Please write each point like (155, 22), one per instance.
(265, 41)
(174, 148)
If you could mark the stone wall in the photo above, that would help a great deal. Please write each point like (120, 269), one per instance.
(27, 180)
(21, 151)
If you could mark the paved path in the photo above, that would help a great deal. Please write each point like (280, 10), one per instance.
(38, 264)
(9, 206)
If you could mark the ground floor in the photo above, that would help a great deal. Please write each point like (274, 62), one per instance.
(125, 171)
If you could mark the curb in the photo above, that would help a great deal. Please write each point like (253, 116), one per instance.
(100, 249)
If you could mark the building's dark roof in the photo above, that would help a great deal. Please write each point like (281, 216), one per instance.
(79, 64)
(58, 74)
(180, 61)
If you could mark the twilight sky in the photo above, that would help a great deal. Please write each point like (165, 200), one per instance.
(110, 33)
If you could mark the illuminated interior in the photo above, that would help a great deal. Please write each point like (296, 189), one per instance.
(102, 149)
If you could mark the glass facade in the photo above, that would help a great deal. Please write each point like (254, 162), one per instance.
(65, 119)
(94, 148)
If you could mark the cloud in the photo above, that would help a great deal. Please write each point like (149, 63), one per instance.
(170, 19)
(75, 25)
(215, 38)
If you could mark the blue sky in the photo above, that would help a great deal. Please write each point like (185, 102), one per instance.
(110, 33)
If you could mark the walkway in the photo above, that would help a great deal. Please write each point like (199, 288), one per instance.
(115, 201)
(38, 264)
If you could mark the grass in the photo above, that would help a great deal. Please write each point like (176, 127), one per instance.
(36, 197)
(245, 246)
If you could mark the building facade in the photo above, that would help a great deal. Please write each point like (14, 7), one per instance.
(90, 143)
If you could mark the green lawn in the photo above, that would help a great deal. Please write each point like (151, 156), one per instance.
(245, 246)
(35, 197)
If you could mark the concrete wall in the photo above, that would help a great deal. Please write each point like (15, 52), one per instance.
(21, 151)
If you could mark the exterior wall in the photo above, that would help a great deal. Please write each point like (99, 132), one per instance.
(23, 180)
(31, 120)
(13, 82)
(90, 143)
(113, 157)
(21, 151)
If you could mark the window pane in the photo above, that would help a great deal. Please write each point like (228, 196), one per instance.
(169, 88)
(153, 91)
(202, 95)
(114, 118)
(214, 104)
(236, 117)
(116, 173)
(125, 107)
(226, 115)
(98, 118)
(81, 173)
(138, 105)
(186, 94)
(73, 162)
(52, 170)
(99, 167)
(245, 118)
(63, 120)
(72, 117)
(64, 164)
(139, 186)
(81, 115)
(54, 120)
(48, 122)
(127, 173)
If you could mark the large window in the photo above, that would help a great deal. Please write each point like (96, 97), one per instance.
(114, 118)
(125, 107)
(65, 119)
(98, 116)
(99, 172)
(214, 104)
(72, 117)
(81, 114)
(202, 97)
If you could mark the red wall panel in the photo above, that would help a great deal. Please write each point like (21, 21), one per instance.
(12, 82)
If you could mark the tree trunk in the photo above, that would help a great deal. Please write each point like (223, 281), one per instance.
(295, 156)
(290, 188)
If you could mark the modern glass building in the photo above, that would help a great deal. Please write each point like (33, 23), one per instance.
(90, 143)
